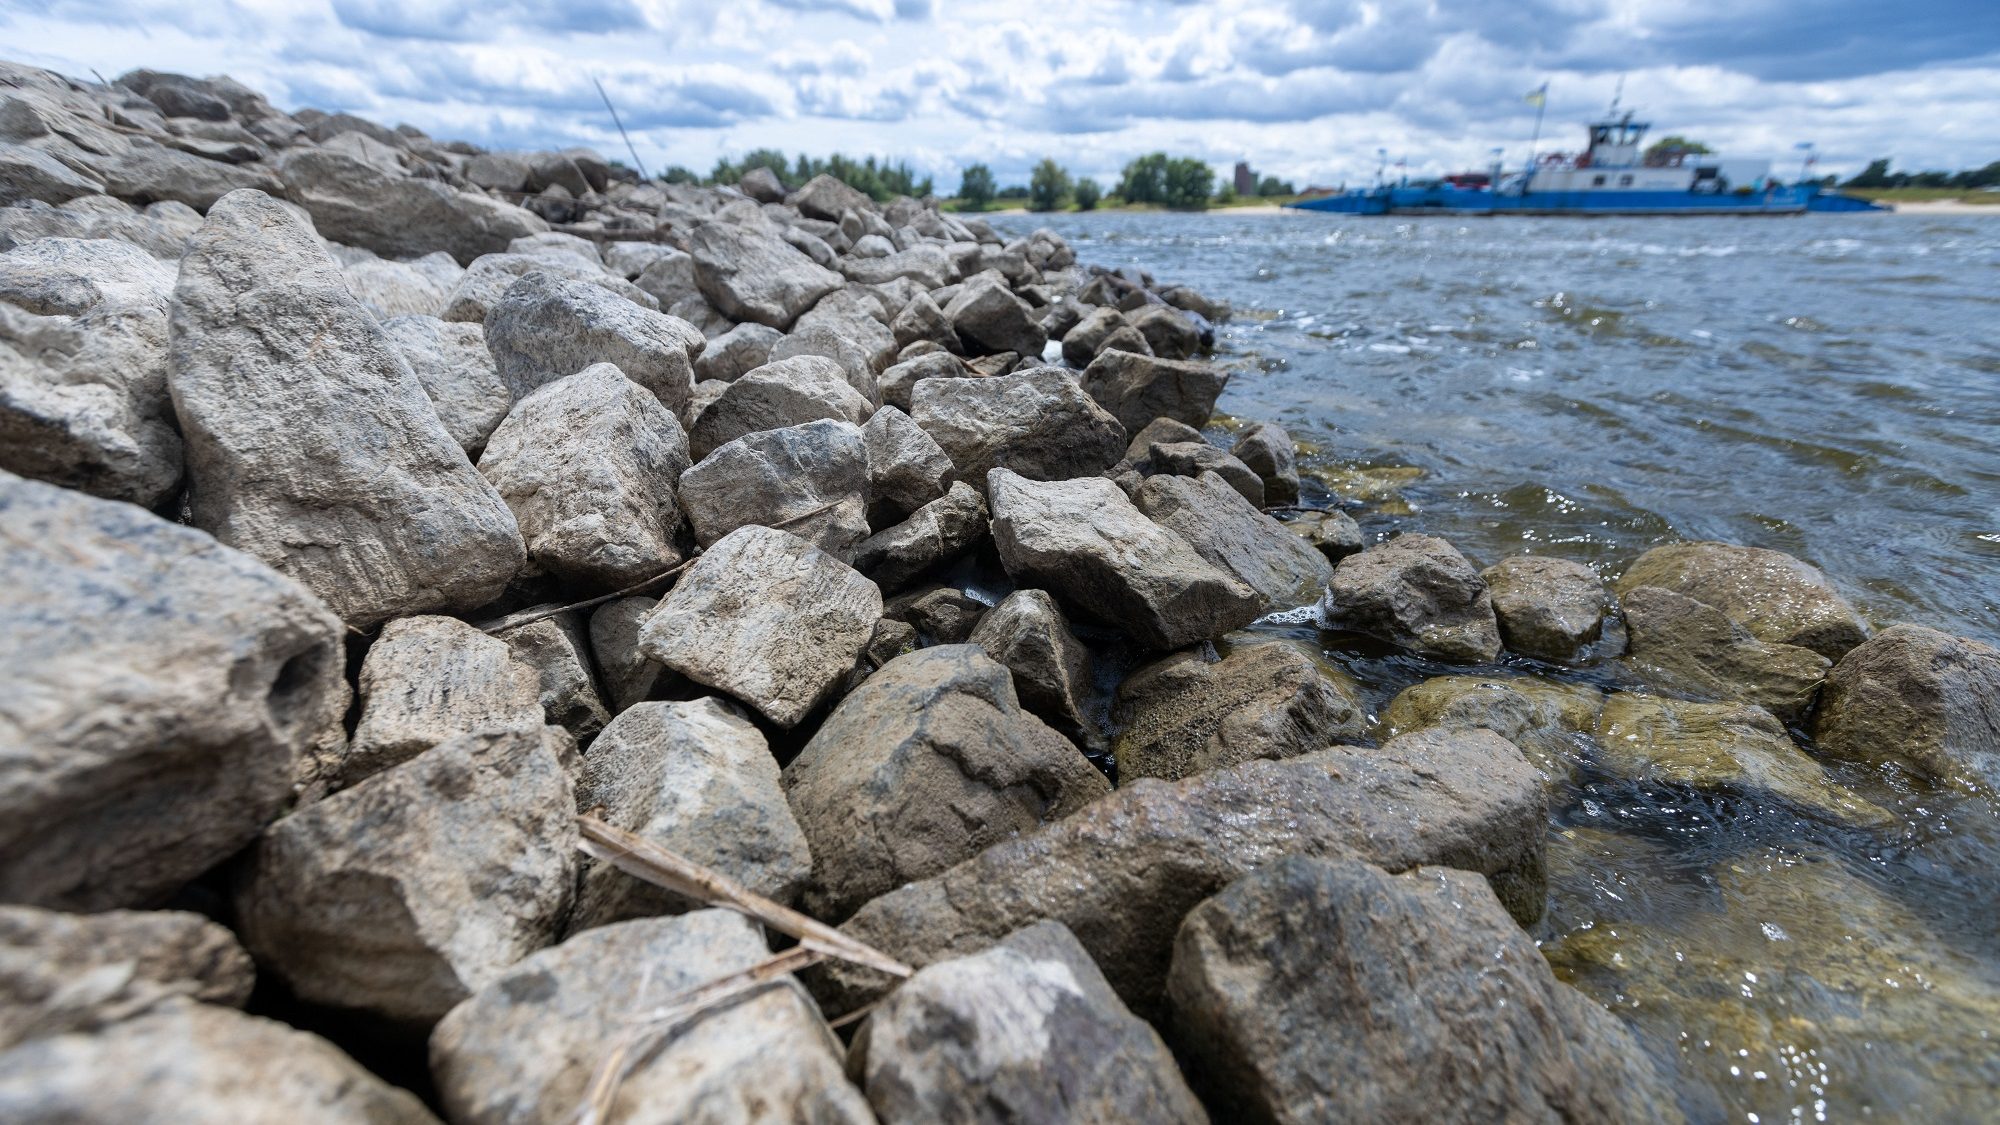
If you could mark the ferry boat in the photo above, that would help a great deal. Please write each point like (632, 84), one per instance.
(1613, 175)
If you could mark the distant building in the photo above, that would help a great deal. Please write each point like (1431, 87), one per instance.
(1246, 180)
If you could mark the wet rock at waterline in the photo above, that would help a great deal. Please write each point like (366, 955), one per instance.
(1550, 609)
(1331, 533)
(402, 896)
(1083, 541)
(1327, 990)
(1680, 645)
(310, 443)
(1418, 592)
(160, 694)
(1721, 746)
(766, 617)
(1778, 598)
(1551, 723)
(1122, 872)
(1270, 453)
(929, 761)
(1918, 695)
(1028, 1030)
(1193, 458)
(1265, 699)
(698, 779)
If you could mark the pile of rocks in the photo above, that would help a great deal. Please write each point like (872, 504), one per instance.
(369, 506)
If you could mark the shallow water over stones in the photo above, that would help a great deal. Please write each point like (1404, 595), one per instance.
(1588, 389)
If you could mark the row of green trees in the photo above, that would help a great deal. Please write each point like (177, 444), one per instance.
(880, 180)
(1877, 175)
(1182, 183)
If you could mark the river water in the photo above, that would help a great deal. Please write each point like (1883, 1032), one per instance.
(1827, 386)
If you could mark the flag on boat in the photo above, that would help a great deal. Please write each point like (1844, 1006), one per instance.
(1537, 97)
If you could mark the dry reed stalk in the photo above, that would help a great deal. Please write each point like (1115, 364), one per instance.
(643, 859)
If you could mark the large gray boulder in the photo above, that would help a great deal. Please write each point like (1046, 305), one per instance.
(927, 265)
(1321, 990)
(159, 693)
(29, 173)
(310, 443)
(1550, 609)
(187, 1061)
(390, 289)
(1084, 542)
(824, 197)
(1028, 633)
(1123, 872)
(1086, 338)
(774, 476)
(427, 680)
(488, 278)
(1193, 458)
(1418, 592)
(698, 779)
(986, 315)
(547, 328)
(61, 973)
(402, 896)
(1167, 331)
(1183, 715)
(929, 761)
(752, 276)
(1028, 1030)
(1234, 536)
(526, 1047)
(629, 676)
(907, 469)
(899, 382)
(1918, 695)
(922, 319)
(1777, 597)
(452, 362)
(934, 535)
(83, 368)
(398, 217)
(786, 392)
(588, 465)
(1037, 423)
(742, 349)
(556, 647)
(1687, 647)
(1139, 388)
(768, 618)
(830, 343)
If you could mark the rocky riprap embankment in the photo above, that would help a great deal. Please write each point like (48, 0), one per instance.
(315, 434)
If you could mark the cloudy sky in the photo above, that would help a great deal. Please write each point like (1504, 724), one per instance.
(1306, 89)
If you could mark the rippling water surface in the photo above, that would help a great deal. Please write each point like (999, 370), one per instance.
(1827, 386)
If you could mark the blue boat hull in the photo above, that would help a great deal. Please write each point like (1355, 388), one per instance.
(1443, 200)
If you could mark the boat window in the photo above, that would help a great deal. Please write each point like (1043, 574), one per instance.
(1625, 181)
(1597, 181)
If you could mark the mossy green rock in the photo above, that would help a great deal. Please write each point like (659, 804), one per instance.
(1550, 722)
(1777, 597)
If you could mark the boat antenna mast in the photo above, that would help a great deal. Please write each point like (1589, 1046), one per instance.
(1539, 97)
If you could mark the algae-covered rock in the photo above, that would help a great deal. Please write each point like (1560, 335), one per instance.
(1777, 597)
(1550, 722)
(1678, 644)
(1548, 608)
(1418, 592)
(1720, 745)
